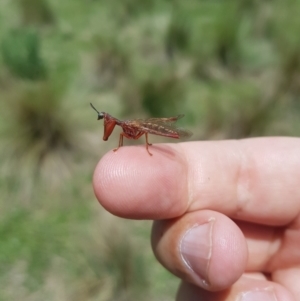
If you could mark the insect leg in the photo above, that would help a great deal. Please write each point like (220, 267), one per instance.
(120, 142)
(146, 134)
(138, 135)
(147, 144)
(127, 136)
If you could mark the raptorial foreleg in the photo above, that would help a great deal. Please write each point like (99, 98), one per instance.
(123, 134)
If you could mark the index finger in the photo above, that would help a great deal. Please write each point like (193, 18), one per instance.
(252, 180)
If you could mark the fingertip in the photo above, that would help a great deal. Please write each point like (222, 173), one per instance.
(204, 247)
(131, 184)
(102, 182)
(229, 253)
(244, 289)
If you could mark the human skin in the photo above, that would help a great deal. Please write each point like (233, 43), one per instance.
(226, 213)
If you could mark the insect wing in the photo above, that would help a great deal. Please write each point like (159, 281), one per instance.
(168, 120)
(183, 133)
(164, 127)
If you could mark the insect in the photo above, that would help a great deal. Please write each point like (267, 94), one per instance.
(135, 128)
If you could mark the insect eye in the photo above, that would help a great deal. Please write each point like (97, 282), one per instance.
(100, 115)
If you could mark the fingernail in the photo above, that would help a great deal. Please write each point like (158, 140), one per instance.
(258, 295)
(195, 248)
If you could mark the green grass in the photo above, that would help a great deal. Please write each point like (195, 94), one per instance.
(232, 67)
(36, 12)
(21, 54)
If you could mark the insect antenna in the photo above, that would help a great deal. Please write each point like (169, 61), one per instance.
(100, 115)
(94, 108)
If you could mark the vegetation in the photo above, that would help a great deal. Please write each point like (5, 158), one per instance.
(232, 67)
(21, 54)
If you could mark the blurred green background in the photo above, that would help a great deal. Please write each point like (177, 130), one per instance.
(232, 67)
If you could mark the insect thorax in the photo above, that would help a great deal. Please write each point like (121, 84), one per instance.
(132, 132)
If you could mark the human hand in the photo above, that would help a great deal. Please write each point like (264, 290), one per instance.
(226, 213)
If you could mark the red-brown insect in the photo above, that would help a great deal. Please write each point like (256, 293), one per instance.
(135, 128)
